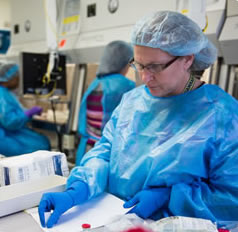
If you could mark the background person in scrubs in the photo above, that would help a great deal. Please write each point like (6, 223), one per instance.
(104, 94)
(15, 137)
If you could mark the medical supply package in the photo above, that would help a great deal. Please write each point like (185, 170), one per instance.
(25, 195)
(32, 166)
(183, 224)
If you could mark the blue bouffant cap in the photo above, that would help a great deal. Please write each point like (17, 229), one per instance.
(116, 56)
(177, 35)
(8, 70)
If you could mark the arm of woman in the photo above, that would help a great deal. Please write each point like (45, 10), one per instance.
(216, 197)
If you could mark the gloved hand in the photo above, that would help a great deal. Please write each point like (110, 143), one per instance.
(148, 201)
(32, 111)
(60, 202)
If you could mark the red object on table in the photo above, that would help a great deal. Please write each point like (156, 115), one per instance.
(86, 226)
(223, 230)
(137, 229)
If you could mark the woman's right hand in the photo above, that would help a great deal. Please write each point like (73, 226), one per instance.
(60, 202)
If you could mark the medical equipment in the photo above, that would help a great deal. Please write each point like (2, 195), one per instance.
(229, 34)
(83, 28)
(32, 166)
(39, 78)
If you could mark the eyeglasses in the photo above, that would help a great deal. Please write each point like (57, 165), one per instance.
(152, 68)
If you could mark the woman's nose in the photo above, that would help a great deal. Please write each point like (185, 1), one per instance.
(146, 76)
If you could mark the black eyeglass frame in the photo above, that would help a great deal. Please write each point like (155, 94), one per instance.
(141, 67)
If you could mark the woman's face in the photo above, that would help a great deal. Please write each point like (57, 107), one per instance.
(11, 84)
(168, 81)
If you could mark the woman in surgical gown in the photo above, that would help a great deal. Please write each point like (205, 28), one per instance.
(15, 137)
(171, 146)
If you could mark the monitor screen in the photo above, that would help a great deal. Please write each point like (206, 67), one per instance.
(35, 78)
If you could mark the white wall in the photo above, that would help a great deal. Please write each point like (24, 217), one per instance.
(5, 14)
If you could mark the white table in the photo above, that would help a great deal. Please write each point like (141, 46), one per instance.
(23, 222)
(20, 222)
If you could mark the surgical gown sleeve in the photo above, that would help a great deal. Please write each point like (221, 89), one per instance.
(214, 197)
(94, 167)
(12, 116)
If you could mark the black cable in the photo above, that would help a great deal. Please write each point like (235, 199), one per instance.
(56, 126)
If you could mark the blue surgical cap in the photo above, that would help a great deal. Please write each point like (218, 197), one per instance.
(8, 70)
(116, 56)
(177, 35)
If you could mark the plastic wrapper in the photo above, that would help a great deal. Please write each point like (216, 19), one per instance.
(126, 222)
(183, 224)
(132, 223)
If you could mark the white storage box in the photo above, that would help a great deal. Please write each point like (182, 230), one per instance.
(21, 196)
(32, 166)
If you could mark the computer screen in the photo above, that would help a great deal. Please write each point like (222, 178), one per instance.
(34, 73)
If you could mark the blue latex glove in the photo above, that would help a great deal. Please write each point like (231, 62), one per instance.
(60, 202)
(34, 110)
(148, 201)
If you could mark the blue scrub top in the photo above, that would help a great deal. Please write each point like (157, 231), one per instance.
(188, 143)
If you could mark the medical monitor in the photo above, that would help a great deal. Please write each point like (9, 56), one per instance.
(36, 78)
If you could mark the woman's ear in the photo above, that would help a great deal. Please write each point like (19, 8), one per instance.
(188, 61)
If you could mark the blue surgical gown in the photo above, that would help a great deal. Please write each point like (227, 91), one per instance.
(188, 143)
(15, 137)
(113, 87)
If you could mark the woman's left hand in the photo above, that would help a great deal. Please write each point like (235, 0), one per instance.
(148, 201)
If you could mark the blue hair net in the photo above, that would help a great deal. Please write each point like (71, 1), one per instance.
(8, 70)
(116, 56)
(177, 35)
